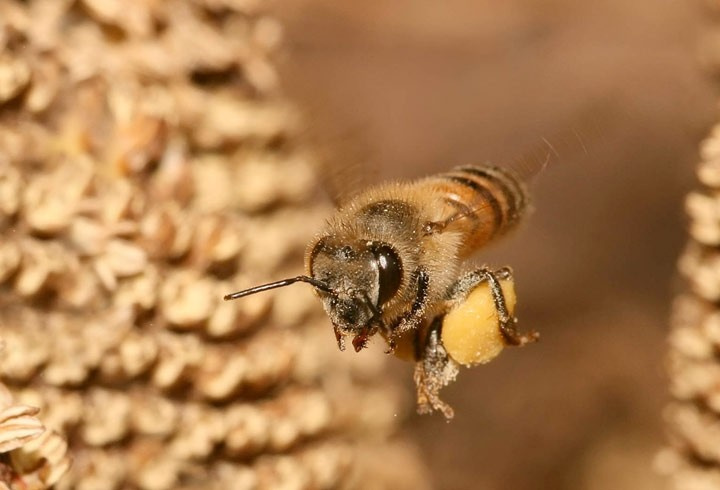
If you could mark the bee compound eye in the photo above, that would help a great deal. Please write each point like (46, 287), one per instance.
(389, 272)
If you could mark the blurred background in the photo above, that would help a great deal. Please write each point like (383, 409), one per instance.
(422, 86)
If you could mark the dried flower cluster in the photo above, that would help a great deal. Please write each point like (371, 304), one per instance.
(693, 418)
(149, 165)
(31, 456)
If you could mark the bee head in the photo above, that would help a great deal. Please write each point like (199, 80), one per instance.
(361, 277)
(354, 279)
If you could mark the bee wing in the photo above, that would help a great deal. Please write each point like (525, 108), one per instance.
(573, 142)
(341, 156)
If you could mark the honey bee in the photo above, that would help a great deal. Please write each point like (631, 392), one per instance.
(391, 262)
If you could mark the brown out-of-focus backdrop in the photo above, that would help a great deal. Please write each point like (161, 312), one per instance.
(423, 85)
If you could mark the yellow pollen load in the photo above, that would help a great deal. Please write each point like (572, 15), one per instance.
(470, 332)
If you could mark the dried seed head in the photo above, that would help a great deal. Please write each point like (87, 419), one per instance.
(187, 300)
(45, 85)
(10, 187)
(149, 167)
(107, 417)
(43, 461)
(693, 460)
(18, 425)
(14, 77)
(9, 259)
(36, 457)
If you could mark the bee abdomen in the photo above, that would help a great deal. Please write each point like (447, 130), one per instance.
(484, 201)
(498, 180)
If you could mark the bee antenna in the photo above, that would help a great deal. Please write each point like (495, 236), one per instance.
(279, 284)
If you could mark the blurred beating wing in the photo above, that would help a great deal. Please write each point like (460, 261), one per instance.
(341, 156)
(572, 143)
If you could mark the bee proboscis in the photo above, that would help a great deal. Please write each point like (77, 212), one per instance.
(390, 261)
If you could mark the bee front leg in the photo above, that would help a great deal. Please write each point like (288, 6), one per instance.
(414, 317)
(506, 322)
(340, 338)
(433, 371)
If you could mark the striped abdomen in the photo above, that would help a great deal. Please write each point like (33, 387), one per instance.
(481, 201)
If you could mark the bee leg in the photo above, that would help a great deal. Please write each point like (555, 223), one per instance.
(340, 338)
(506, 322)
(433, 371)
(432, 227)
(412, 318)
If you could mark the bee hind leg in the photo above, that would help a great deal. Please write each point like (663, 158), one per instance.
(507, 323)
(433, 371)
